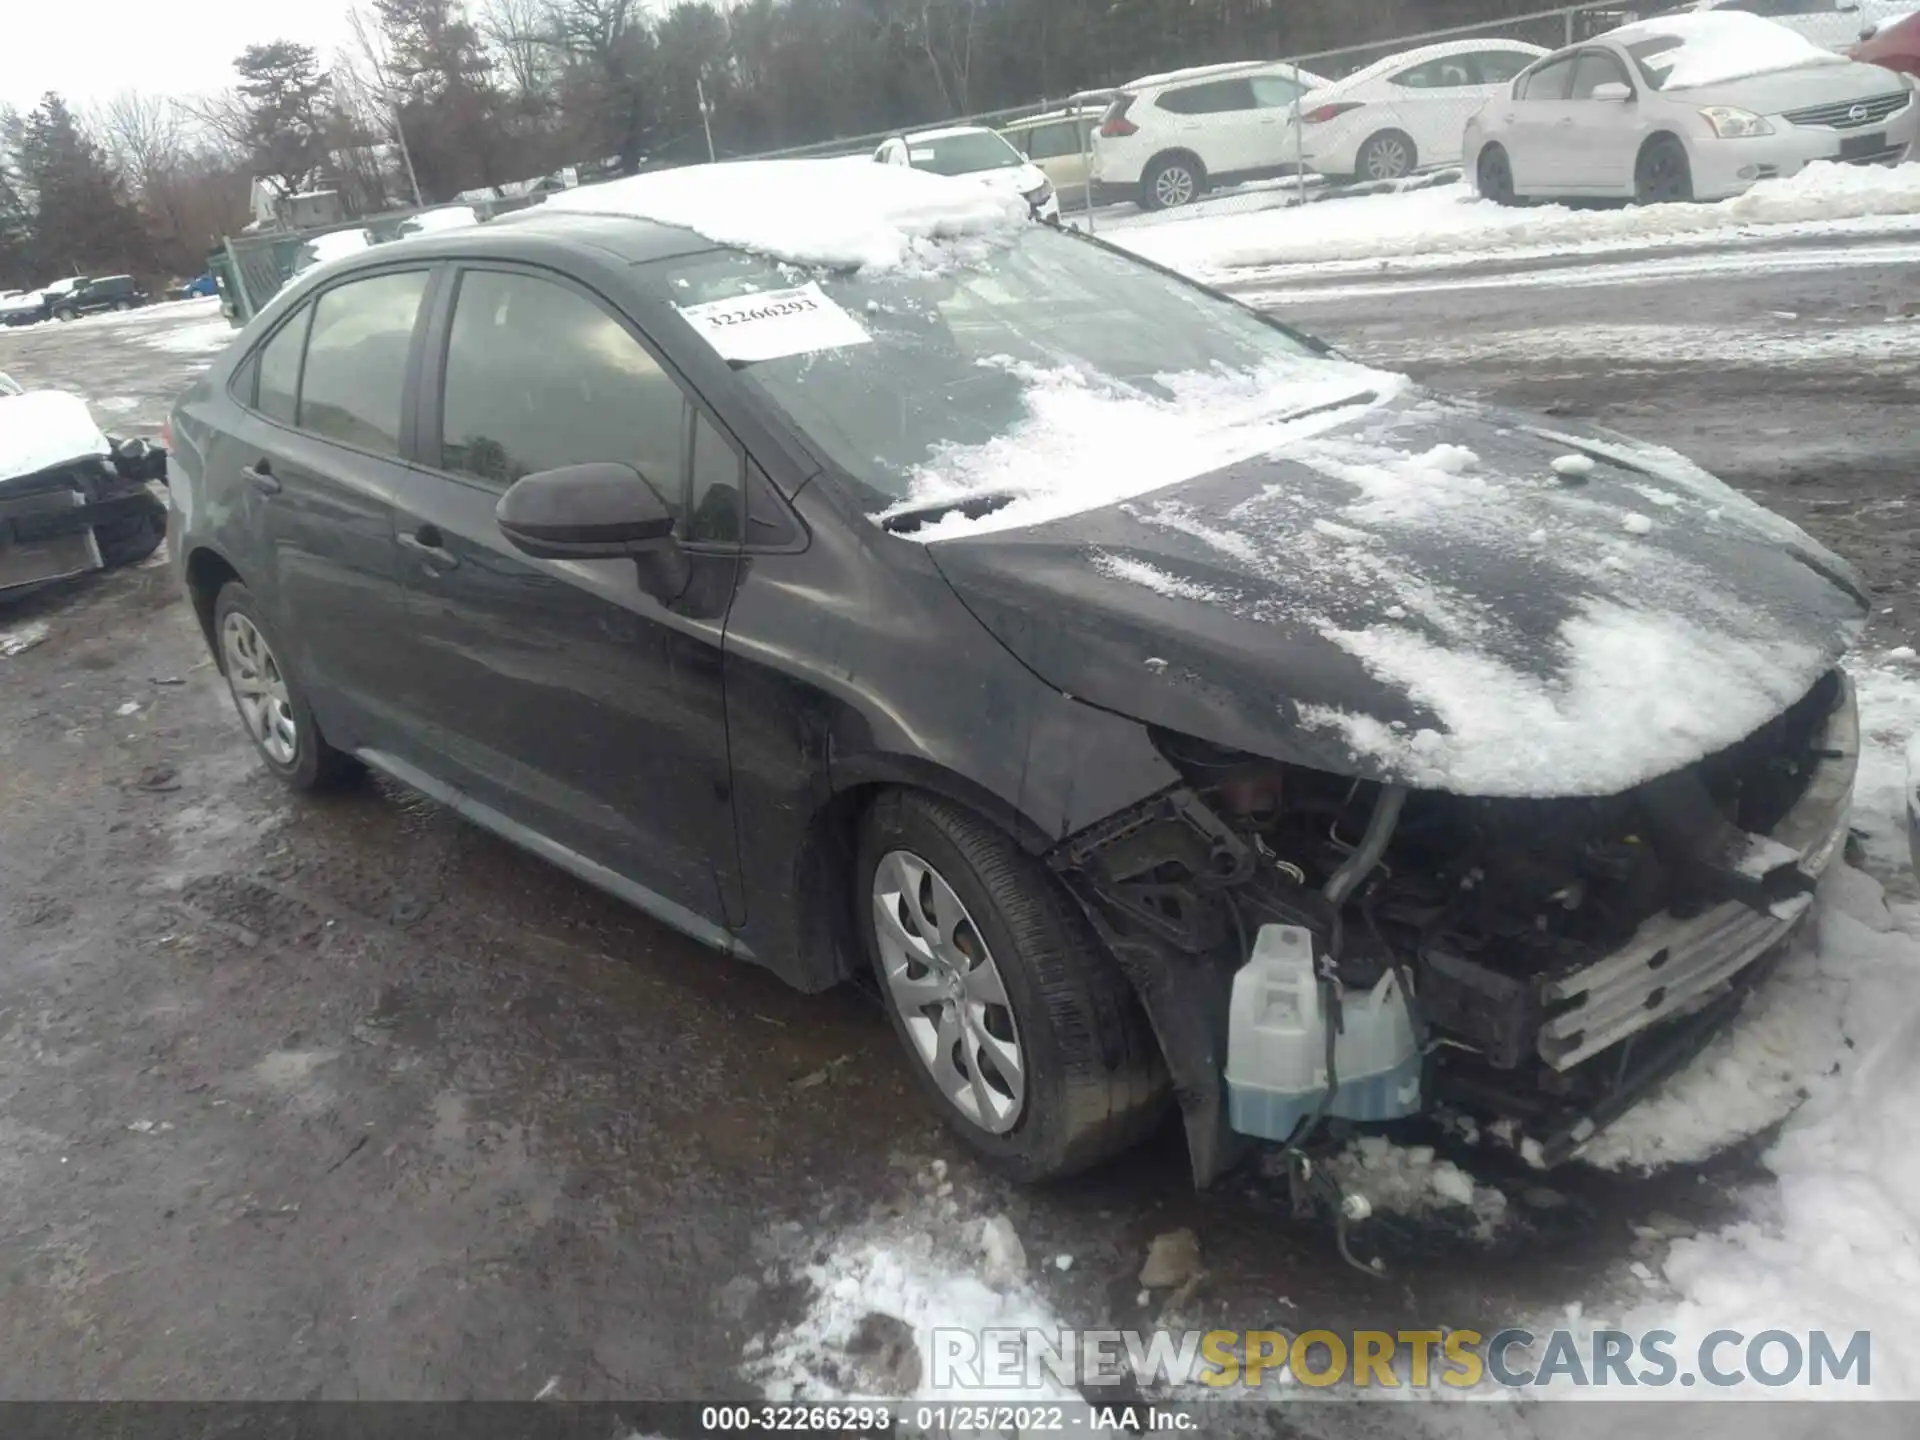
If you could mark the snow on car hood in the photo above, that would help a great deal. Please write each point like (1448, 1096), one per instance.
(844, 213)
(45, 428)
(1419, 595)
(1013, 179)
(1722, 45)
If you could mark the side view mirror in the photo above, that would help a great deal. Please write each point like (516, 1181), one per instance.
(584, 512)
(1612, 91)
(603, 511)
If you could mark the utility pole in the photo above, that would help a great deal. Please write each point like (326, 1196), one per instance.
(400, 133)
(706, 115)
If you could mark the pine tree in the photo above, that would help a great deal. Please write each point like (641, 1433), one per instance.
(82, 220)
(283, 98)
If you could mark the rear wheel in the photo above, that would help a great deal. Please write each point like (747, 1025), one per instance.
(271, 703)
(1663, 176)
(1495, 176)
(1170, 182)
(1018, 1026)
(1386, 156)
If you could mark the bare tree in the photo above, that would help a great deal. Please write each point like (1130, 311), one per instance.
(526, 33)
(144, 134)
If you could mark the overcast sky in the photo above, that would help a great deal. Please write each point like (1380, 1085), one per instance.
(89, 50)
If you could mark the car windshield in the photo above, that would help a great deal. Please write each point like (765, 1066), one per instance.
(972, 374)
(962, 154)
(1655, 58)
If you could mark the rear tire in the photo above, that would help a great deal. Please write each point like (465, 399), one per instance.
(1494, 176)
(1172, 181)
(271, 704)
(1662, 176)
(1390, 155)
(1018, 1026)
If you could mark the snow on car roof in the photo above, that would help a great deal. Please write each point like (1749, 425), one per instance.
(845, 212)
(1433, 52)
(1213, 72)
(1721, 45)
(44, 428)
(946, 132)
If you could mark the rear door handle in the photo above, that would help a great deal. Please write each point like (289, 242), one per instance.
(430, 545)
(260, 475)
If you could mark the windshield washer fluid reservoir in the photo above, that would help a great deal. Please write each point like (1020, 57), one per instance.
(1277, 1043)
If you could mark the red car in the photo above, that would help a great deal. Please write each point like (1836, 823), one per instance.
(1896, 46)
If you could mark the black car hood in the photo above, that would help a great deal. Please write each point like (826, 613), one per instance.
(1419, 595)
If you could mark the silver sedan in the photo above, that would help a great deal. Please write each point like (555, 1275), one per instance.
(1687, 107)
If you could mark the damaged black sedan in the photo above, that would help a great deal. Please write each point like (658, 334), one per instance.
(1166, 710)
(71, 500)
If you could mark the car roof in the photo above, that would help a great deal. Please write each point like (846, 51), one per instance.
(1217, 72)
(622, 238)
(1440, 51)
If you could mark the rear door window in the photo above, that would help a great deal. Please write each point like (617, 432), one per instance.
(356, 368)
(278, 388)
(1496, 67)
(1446, 73)
(539, 376)
(1052, 142)
(1216, 97)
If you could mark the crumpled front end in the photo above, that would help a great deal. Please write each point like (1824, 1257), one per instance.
(1545, 961)
(52, 521)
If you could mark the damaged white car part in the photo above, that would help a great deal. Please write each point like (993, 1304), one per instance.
(71, 500)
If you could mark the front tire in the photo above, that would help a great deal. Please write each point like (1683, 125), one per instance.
(131, 538)
(64, 315)
(1171, 181)
(1018, 1026)
(1494, 175)
(123, 304)
(1663, 176)
(270, 702)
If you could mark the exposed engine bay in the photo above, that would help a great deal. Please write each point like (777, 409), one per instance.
(1545, 961)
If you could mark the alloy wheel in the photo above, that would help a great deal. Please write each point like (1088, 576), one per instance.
(259, 689)
(1387, 158)
(1173, 186)
(948, 990)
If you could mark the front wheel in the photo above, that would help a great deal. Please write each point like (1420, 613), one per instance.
(123, 304)
(1663, 176)
(130, 538)
(64, 315)
(1495, 176)
(270, 701)
(1018, 1026)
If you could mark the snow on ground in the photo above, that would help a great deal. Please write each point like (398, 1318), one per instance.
(1780, 342)
(208, 337)
(840, 212)
(1448, 224)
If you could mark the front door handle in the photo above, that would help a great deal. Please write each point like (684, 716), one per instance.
(430, 545)
(260, 475)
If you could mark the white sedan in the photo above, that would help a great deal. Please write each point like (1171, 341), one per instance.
(1406, 112)
(1697, 106)
(978, 154)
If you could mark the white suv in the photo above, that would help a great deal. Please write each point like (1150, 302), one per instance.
(1166, 139)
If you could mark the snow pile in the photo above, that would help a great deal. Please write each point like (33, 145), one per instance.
(1833, 1247)
(441, 218)
(882, 1290)
(1721, 45)
(1640, 692)
(1409, 1180)
(332, 246)
(44, 428)
(1088, 441)
(1449, 224)
(1889, 694)
(841, 213)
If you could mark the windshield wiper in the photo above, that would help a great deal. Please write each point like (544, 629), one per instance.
(905, 522)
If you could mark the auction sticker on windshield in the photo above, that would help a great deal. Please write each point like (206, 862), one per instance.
(772, 324)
